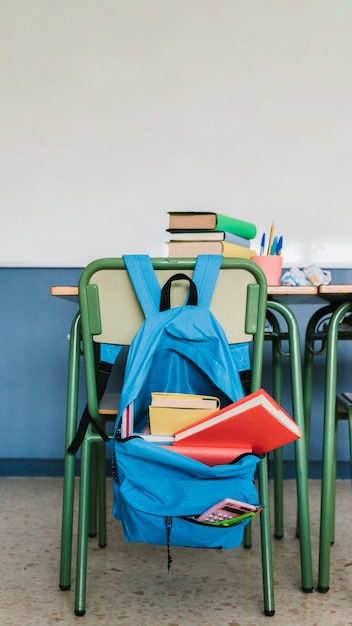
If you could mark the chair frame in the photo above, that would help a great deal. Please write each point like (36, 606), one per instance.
(87, 327)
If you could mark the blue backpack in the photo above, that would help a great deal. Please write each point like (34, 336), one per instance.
(158, 493)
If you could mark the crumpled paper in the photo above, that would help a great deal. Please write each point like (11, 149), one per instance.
(311, 275)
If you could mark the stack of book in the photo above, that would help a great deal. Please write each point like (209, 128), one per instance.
(194, 233)
(254, 424)
(169, 412)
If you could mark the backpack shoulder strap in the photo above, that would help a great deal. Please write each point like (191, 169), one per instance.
(147, 288)
(144, 281)
(205, 275)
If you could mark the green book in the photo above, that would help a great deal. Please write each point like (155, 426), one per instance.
(187, 220)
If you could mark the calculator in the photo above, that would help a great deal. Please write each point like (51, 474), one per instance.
(226, 510)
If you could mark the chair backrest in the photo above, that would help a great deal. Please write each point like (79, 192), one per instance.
(111, 313)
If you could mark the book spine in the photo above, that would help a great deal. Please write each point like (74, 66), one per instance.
(207, 235)
(232, 250)
(241, 241)
(235, 226)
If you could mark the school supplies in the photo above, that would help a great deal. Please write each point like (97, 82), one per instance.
(184, 400)
(183, 348)
(208, 235)
(164, 420)
(262, 244)
(228, 511)
(256, 421)
(188, 220)
(271, 237)
(210, 455)
(275, 243)
(184, 249)
(279, 245)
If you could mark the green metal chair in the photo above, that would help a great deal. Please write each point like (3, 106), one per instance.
(285, 343)
(111, 314)
(333, 413)
(325, 330)
(275, 335)
(108, 380)
(279, 315)
(343, 413)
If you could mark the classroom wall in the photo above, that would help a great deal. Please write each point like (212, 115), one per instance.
(112, 114)
(115, 112)
(33, 374)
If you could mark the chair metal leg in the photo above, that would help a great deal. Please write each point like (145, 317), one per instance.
(278, 494)
(101, 480)
(278, 454)
(333, 484)
(310, 351)
(300, 445)
(69, 464)
(329, 444)
(97, 495)
(350, 435)
(93, 493)
(265, 532)
(83, 526)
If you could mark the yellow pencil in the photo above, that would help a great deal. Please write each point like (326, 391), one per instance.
(271, 237)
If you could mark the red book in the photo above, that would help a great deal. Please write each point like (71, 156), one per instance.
(256, 422)
(209, 455)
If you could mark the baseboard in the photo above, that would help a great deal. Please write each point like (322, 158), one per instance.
(39, 467)
(55, 467)
(343, 470)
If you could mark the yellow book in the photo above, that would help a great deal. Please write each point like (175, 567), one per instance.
(184, 400)
(179, 249)
(166, 420)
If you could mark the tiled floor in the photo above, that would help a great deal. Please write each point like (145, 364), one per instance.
(128, 584)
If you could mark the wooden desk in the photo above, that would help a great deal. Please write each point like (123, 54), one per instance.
(336, 293)
(65, 291)
(300, 292)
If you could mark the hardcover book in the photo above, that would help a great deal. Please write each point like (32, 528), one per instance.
(186, 249)
(256, 422)
(210, 455)
(190, 220)
(208, 235)
(184, 400)
(165, 420)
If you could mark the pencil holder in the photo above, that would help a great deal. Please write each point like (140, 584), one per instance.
(272, 267)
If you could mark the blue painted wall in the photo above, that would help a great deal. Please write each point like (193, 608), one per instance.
(34, 357)
(33, 372)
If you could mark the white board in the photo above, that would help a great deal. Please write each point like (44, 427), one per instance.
(114, 113)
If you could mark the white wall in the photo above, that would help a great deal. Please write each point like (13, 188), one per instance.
(114, 112)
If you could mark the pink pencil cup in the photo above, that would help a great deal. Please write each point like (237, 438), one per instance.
(271, 265)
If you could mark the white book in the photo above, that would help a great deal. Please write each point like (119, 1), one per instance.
(208, 235)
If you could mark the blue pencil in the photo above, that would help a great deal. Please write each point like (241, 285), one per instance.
(279, 245)
(274, 246)
(262, 245)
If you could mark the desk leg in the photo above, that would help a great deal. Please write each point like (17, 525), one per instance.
(300, 444)
(70, 459)
(309, 353)
(276, 359)
(327, 504)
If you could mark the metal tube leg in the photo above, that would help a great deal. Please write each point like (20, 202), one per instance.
(329, 443)
(300, 446)
(267, 565)
(83, 525)
(70, 459)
